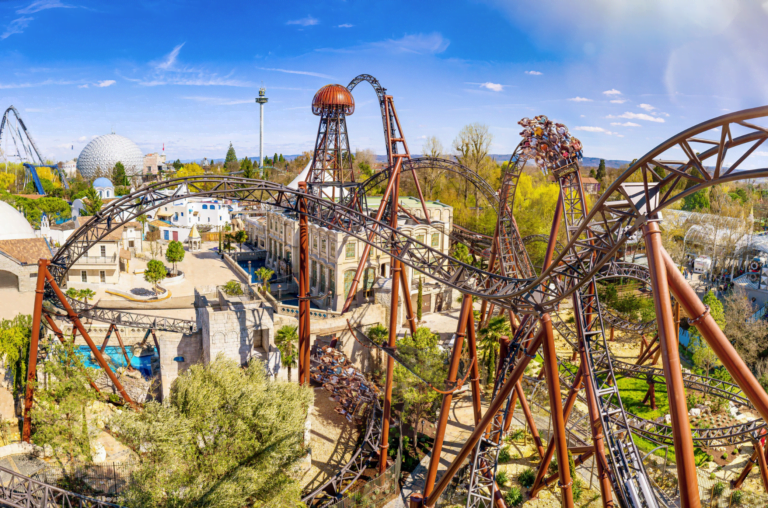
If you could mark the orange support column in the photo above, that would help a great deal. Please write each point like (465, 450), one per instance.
(42, 270)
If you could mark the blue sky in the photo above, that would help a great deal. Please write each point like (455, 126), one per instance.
(624, 75)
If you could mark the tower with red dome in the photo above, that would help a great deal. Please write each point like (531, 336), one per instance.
(331, 167)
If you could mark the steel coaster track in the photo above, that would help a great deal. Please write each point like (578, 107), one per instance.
(481, 490)
(19, 491)
(354, 468)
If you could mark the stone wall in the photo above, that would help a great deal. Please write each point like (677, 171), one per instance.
(177, 354)
(27, 274)
(236, 330)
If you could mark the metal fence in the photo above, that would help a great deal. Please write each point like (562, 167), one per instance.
(97, 480)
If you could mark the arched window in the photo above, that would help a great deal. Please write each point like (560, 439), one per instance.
(205, 207)
(369, 277)
(348, 276)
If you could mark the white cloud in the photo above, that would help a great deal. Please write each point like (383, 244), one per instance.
(638, 116)
(17, 26)
(219, 101)
(496, 87)
(619, 101)
(593, 129)
(612, 91)
(626, 124)
(345, 25)
(105, 83)
(580, 99)
(582, 116)
(761, 153)
(420, 44)
(646, 107)
(308, 21)
(83, 86)
(82, 139)
(41, 5)
(168, 62)
(303, 73)
(534, 73)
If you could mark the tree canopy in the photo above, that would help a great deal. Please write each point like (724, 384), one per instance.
(227, 437)
(175, 254)
(231, 155)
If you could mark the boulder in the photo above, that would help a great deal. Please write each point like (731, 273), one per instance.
(695, 412)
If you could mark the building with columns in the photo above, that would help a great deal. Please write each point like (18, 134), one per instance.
(334, 255)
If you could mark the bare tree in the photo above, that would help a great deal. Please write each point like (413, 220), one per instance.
(472, 145)
(750, 338)
(433, 148)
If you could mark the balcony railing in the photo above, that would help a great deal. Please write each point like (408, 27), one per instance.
(96, 260)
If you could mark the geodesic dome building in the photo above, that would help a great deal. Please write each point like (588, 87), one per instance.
(99, 157)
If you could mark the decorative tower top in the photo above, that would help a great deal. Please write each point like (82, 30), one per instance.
(333, 98)
(262, 98)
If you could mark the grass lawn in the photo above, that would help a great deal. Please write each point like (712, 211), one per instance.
(632, 393)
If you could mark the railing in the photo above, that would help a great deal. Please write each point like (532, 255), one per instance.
(293, 310)
(89, 479)
(96, 260)
(19, 491)
(759, 314)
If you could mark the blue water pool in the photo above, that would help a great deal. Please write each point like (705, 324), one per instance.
(115, 357)
(295, 302)
(255, 265)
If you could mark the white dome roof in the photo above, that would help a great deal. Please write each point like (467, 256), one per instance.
(15, 226)
(103, 183)
(101, 155)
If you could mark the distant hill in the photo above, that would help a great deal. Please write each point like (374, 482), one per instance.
(585, 162)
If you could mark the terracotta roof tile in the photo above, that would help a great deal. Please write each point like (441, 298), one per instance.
(27, 251)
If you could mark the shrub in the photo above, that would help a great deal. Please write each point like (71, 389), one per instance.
(737, 497)
(527, 477)
(517, 435)
(502, 478)
(513, 497)
(504, 455)
(578, 489)
(718, 489)
(233, 288)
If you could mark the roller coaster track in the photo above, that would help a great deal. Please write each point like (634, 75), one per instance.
(334, 488)
(19, 491)
(594, 238)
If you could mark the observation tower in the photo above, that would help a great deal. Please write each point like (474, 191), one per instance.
(331, 166)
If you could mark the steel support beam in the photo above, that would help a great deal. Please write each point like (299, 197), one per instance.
(678, 410)
(42, 270)
(445, 409)
(496, 404)
(303, 288)
(716, 339)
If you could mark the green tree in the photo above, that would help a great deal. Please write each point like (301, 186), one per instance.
(715, 308)
(174, 254)
(231, 155)
(177, 165)
(264, 274)
(274, 159)
(241, 237)
(281, 158)
(247, 168)
(93, 202)
(118, 175)
(419, 300)
(14, 348)
(287, 340)
(378, 333)
(600, 173)
(697, 201)
(85, 294)
(489, 342)
(423, 356)
(155, 273)
(226, 437)
(59, 417)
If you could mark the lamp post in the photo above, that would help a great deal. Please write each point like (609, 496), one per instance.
(261, 100)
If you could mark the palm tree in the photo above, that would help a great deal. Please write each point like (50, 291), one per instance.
(287, 340)
(241, 237)
(265, 274)
(378, 334)
(489, 342)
